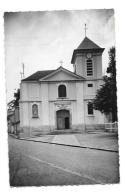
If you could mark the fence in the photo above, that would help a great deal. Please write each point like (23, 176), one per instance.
(111, 127)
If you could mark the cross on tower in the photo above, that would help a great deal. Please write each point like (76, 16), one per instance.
(85, 29)
(61, 62)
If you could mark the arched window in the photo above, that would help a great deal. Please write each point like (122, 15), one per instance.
(90, 108)
(89, 67)
(62, 91)
(35, 111)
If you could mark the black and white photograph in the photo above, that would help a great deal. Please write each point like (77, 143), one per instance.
(61, 97)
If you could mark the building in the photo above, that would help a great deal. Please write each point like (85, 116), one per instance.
(13, 120)
(60, 99)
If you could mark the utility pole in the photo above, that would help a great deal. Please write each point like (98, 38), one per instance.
(85, 29)
(23, 69)
(22, 72)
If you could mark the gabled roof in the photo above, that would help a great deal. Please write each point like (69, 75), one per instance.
(74, 75)
(38, 75)
(46, 74)
(87, 44)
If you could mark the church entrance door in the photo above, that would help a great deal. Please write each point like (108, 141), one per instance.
(66, 122)
(63, 119)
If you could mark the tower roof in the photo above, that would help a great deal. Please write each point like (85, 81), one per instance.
(86, 46)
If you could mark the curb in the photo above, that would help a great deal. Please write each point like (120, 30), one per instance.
(13, 135)
(76, 146)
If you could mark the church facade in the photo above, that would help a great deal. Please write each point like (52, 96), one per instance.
(60, 99)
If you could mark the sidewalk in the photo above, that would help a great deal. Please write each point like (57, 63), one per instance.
(99, 141)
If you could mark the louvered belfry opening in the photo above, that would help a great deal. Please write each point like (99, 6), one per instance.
(89, 67)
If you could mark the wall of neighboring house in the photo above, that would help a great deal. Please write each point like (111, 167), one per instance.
(14, 121)
(10, 121)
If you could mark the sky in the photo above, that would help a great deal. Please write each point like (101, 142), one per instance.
(42, 39)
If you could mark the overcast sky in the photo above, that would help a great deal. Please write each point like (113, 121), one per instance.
(41, 39)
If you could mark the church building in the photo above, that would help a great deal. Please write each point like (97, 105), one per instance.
(60, 99)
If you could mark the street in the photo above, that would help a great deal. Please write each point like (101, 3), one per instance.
(41, 164)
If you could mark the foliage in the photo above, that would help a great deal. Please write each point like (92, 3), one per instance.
(17, 97)
(15, 102)
(106, 98)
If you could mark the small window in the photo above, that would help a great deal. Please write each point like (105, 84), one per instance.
(62, 91)
(90, 108)
(90, 85)
(89, 67)
(35, 111)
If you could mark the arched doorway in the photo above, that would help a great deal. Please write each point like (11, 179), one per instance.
(63, 119)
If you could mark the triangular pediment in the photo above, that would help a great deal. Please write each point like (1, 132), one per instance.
(61, 74)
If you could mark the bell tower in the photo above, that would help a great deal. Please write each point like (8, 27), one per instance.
(87, 59)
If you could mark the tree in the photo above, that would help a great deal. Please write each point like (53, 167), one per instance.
(17, 97)
(15, 102)
(106, 97)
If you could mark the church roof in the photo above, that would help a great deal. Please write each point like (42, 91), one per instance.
(87, 44)
(38, 75)
(47, 73)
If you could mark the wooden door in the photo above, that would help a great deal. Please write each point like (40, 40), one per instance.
(63, 119)
(60, 123)
(66, 122)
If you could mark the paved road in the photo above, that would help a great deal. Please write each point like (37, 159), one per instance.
(37, 164)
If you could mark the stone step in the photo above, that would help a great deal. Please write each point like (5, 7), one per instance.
(64, 131)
